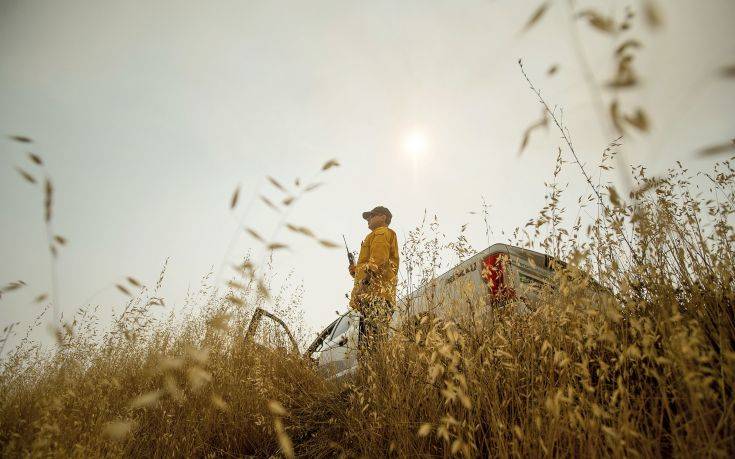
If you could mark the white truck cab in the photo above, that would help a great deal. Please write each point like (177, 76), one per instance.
(335, 349)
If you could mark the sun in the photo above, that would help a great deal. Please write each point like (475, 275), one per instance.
(415, 143)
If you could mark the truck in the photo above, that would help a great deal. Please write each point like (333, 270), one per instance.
(502, 275)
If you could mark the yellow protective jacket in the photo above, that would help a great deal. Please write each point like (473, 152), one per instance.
(378, 263)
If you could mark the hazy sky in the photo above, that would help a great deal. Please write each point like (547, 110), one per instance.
(149, 114)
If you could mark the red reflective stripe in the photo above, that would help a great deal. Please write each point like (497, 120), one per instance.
(492, 274)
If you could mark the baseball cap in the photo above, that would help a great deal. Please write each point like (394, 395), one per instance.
(379, 210)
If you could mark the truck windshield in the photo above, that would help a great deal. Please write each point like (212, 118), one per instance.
(342, 326)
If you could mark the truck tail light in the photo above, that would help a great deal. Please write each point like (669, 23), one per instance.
(493, 272)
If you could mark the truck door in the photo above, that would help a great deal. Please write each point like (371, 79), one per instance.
(257, 319)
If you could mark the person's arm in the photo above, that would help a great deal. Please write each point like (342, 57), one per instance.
(363, 259)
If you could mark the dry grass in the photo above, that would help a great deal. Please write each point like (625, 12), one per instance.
(647, 371)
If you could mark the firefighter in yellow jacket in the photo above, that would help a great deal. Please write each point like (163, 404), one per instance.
(376, 274)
